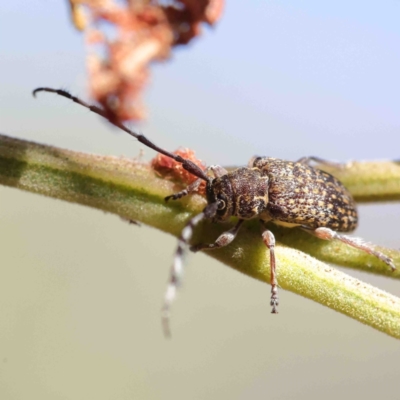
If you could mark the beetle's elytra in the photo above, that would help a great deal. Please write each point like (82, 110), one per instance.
(292, 194)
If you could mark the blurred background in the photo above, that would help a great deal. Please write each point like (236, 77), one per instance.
(80, 291)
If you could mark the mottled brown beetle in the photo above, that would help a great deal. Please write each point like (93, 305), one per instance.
(293, 194)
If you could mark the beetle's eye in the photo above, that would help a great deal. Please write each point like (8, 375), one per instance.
(221, 204)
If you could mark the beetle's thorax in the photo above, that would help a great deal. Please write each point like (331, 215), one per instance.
(243, 192)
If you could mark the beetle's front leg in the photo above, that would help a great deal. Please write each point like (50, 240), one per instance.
(192, 188)
(223, 240)
(217, 170)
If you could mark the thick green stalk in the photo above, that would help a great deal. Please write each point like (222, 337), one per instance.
(131, 190)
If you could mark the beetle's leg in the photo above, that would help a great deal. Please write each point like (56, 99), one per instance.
(257, 159)
(189, 189)
(329, 234)
(176, 273)
(251, 161)
(269, 241)
(217, 170)
(223, 240)
(309, 160)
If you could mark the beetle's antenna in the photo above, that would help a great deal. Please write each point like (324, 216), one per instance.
(186, 164)
(176, 274)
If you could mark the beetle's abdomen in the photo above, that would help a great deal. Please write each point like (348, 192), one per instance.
(304, 195)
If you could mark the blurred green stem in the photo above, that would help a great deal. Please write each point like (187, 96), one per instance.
(131, 190)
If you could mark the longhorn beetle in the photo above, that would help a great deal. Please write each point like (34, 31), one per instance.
(292, 194)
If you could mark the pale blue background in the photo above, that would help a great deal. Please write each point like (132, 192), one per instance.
(80, 291)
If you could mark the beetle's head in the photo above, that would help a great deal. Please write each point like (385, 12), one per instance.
(242, 193)
(219, 190)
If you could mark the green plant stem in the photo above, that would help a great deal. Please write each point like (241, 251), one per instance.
(131, 190)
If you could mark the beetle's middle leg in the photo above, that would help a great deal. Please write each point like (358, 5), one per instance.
(269, 241)
(223, 240)
(329, 234)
